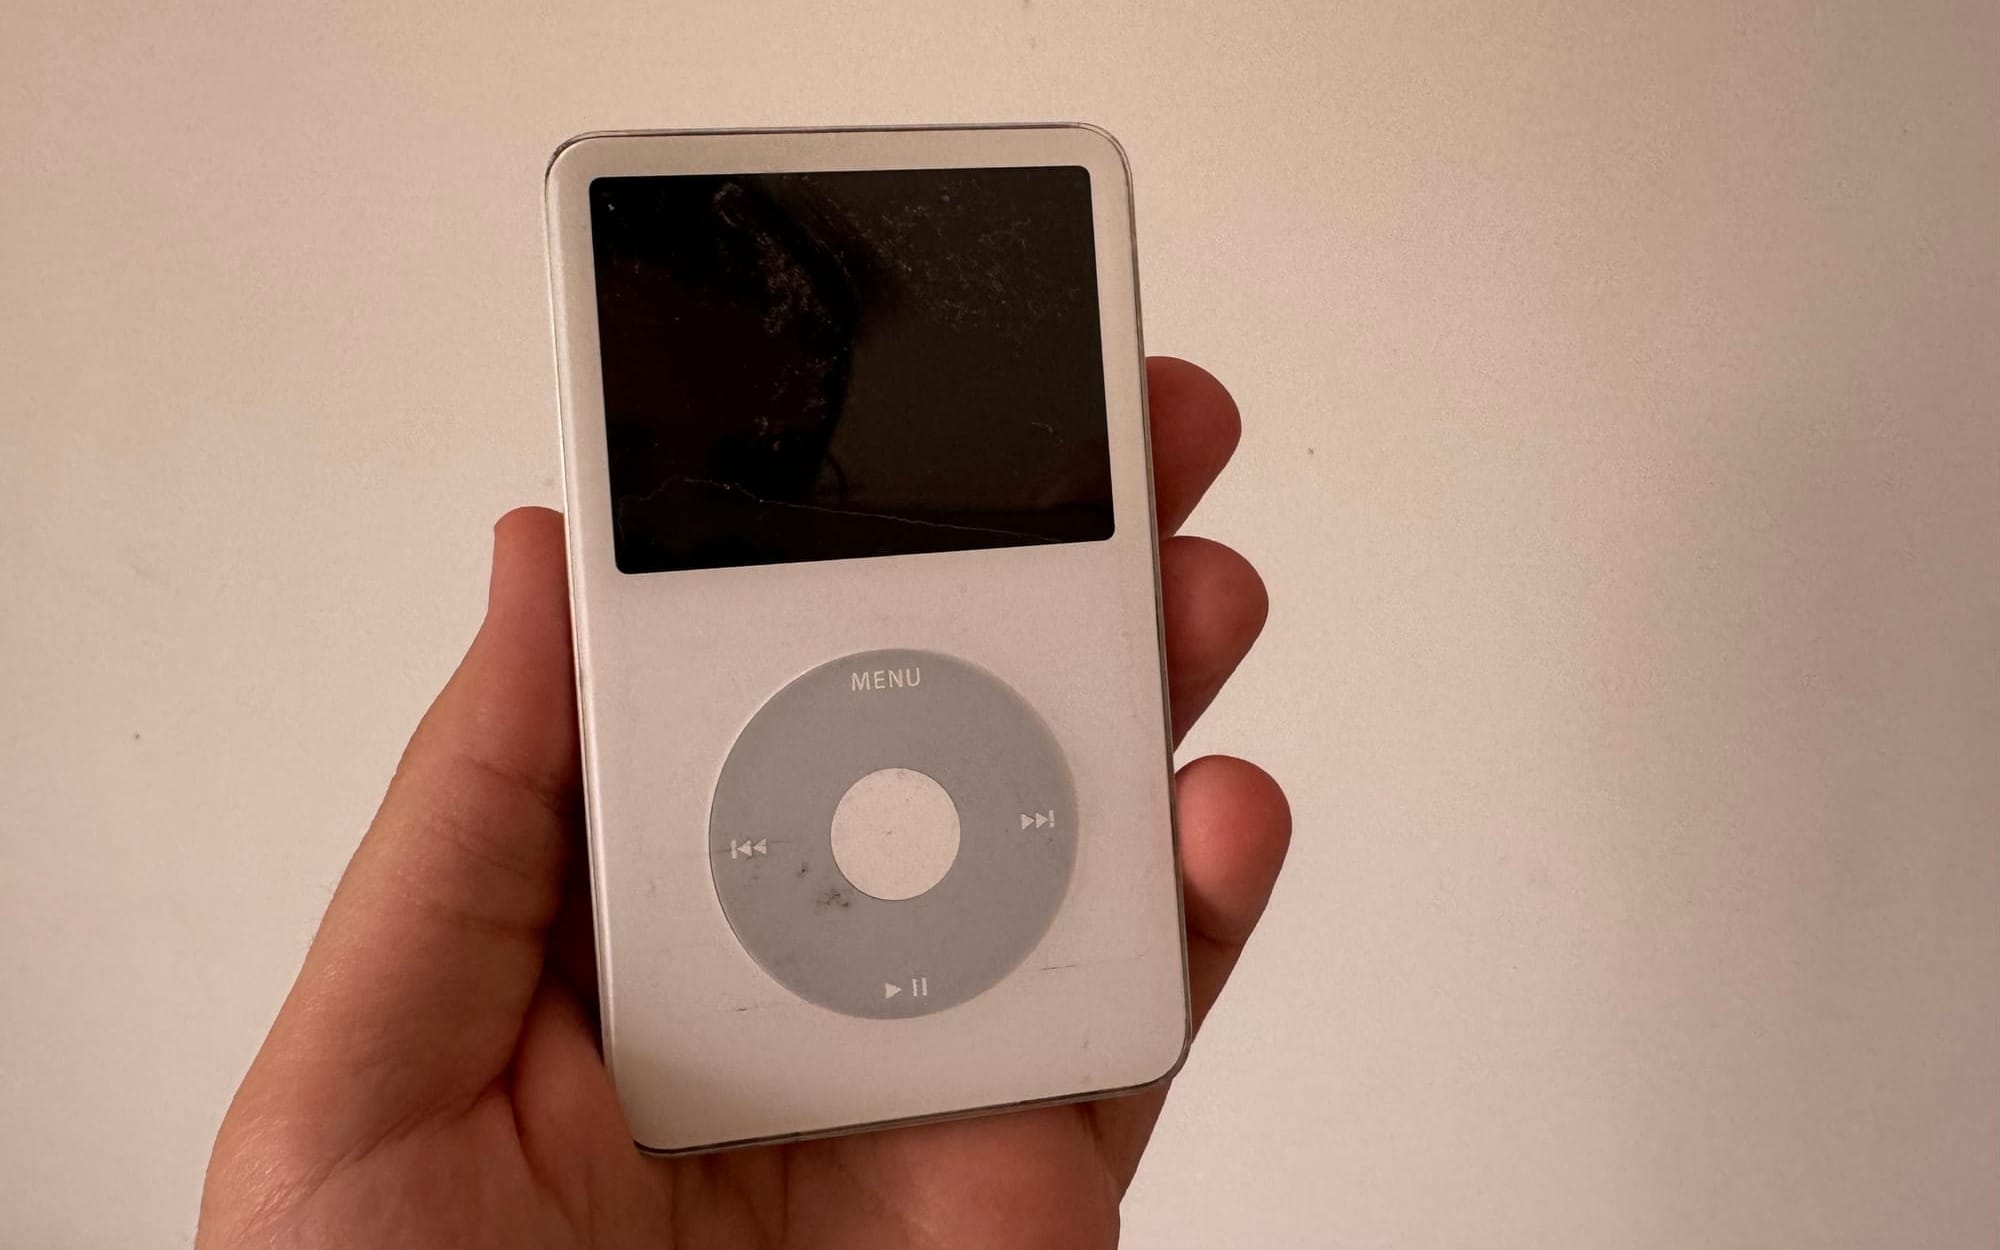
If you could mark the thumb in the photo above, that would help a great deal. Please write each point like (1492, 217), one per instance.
(414, 991)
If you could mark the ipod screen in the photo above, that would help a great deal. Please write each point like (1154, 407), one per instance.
(828, 366)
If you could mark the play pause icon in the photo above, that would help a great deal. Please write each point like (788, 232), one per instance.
(920, 987)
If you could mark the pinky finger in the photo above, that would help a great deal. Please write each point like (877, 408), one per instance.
(1235, 830)
(1235, 827)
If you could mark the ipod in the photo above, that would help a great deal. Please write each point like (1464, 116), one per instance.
(864, 581)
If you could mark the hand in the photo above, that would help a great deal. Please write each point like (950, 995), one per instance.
(434, 1079)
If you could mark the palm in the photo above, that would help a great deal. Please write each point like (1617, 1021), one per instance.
(1034, 1178)
(549, 1156)
(434, 1078)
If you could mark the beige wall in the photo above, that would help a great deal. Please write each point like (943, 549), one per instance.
(1622, 385)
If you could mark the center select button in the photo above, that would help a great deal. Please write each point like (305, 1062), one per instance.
(895, 833)
(890, 788)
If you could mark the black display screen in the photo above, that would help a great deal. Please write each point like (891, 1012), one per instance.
(819, 366)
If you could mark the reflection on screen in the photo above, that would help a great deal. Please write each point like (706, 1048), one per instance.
(818, 366)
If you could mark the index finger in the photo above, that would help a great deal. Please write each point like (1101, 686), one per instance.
(1195, 428)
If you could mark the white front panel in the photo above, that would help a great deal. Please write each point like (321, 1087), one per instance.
(705, 1047)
